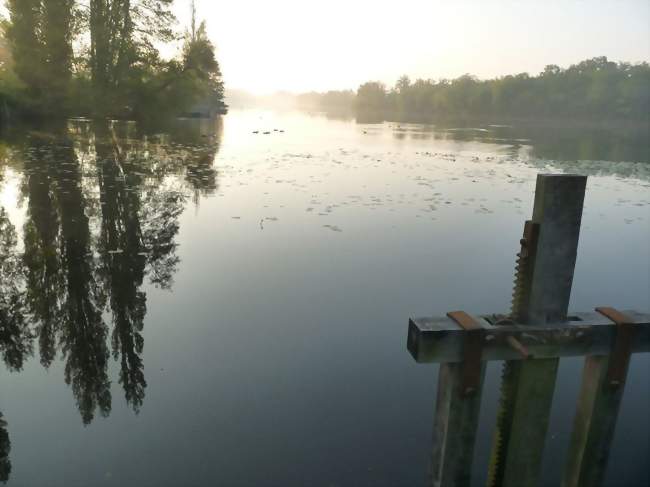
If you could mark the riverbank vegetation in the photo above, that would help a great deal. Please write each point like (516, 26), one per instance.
(594, 89)
(101, 58)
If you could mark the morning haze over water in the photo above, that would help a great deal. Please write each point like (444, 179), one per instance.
(211, 243)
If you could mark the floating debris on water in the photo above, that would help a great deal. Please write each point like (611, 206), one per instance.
(334, 228)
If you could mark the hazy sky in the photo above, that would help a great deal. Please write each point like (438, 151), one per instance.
(300, 45)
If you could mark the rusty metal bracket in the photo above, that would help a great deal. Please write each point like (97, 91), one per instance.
(622, 349)
(472, 350)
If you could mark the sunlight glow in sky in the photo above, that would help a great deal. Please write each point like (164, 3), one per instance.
(299, 45)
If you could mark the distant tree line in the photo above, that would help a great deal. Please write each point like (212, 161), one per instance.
(592, 89)
(100, 58)
(329, 101)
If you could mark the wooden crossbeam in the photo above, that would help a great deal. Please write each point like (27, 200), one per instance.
(441, 339)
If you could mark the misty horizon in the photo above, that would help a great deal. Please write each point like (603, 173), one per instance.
(286, 92)
(301, 48)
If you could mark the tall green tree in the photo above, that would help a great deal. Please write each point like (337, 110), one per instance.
(371, 96)
(200, 59)
(57, 34)
(23, 34)
(123, 34)
(40, 38)
(198, 51)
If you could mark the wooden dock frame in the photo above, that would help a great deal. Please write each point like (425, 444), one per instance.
(462, 344)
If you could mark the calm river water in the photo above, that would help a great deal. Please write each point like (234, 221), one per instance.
(213, 306)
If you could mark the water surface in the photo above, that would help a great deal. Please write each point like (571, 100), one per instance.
(207, 305)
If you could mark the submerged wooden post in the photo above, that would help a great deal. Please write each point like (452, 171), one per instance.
(458, 404)
(603, 383)
(528, 385)
(454, 427)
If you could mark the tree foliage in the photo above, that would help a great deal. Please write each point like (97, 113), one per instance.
(200, 62)
(592, 89)
(100, 58)
(39, 34)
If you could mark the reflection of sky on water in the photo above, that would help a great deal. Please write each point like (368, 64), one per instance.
(282, 338)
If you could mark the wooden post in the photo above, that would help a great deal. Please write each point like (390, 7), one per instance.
(593, 427)
(519, 445)
(458, 403)
(559, 200)
(454, 427)
(600, 397)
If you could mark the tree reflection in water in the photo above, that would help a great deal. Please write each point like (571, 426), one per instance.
(5, 447)
(15, 337)
(102, 204)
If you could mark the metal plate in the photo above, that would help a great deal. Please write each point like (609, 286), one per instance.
(472, 350)
(465, 321)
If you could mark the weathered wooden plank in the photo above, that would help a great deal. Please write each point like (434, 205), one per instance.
(454, 427)
(440, 339)
(559, 199)
(523, 423)
(594, 425)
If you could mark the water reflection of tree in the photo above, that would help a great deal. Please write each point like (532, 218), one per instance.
(15, 336)
(85, 255)
(5, 448)
(63, 296)
(201, 137)
(83, 331)
(41, 256)
(123, 259)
